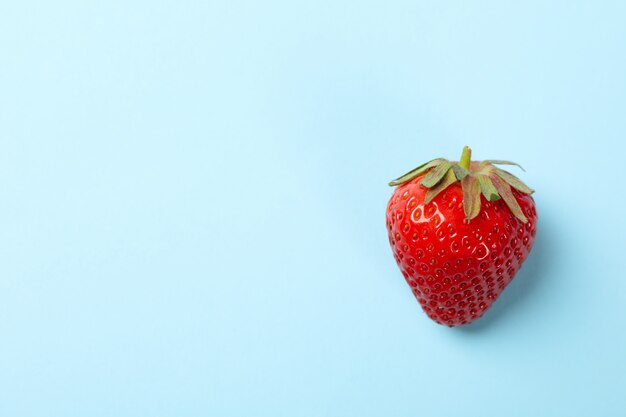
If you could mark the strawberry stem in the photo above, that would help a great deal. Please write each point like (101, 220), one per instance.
(466, 155)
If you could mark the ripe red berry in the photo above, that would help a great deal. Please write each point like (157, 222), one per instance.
(459, 232)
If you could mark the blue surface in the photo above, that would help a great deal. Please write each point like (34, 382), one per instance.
(193, 194)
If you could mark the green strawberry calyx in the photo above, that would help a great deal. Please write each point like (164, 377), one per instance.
(476, 178)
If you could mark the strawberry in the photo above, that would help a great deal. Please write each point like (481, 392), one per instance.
(459, 232)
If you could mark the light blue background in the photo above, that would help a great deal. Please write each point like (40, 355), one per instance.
(192, 201)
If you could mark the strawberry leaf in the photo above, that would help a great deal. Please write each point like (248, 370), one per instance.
(513, 181)
(471, 196)
(416, 172)
(500, 162)
(505, 192)
(459, 171)
(448, 180)
(487, 188)
(435, 175)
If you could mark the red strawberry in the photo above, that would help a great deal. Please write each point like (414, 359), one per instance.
(459, 232)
